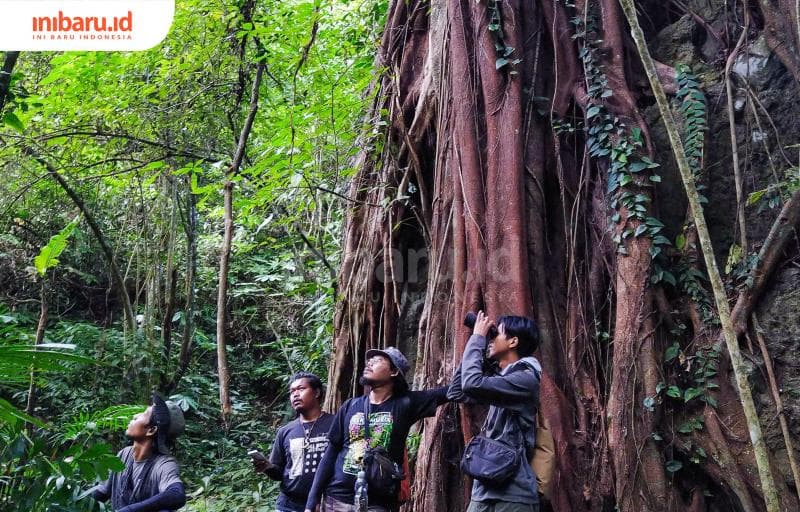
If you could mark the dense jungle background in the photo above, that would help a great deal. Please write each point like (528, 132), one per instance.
(280, 186)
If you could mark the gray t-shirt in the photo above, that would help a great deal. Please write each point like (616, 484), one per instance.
(164, 472)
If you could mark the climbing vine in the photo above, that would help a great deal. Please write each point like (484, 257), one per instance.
(495, 27)
(609, 138)
(693, 113)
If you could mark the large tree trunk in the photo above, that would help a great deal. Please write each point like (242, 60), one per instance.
(495, 200)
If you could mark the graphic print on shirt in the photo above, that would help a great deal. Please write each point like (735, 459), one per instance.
(306, 461)
(380, 432)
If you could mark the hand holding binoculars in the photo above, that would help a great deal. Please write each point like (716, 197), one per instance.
(471, 317)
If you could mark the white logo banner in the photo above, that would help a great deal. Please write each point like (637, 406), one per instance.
(61, 25)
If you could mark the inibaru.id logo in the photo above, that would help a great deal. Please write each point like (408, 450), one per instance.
(84, 24)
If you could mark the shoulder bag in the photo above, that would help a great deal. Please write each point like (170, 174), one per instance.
(383, 474)
(490, 461)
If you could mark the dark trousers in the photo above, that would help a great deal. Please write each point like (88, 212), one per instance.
(501, 506)
(334, 505)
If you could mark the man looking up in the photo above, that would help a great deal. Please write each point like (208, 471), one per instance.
(513, 396)
(299, 444)
(151, 479)
(392, 410)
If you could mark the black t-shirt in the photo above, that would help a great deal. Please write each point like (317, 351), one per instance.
(389, 423)
(297, 452)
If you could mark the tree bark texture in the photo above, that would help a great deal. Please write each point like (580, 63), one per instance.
(222, 303)
(490, 201)
(761, 455)
(9, 62)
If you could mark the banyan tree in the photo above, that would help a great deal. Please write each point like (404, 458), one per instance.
(516, 163)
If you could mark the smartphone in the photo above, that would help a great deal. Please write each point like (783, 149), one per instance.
(257, 455)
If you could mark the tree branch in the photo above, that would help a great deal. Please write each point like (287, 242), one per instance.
(784, 227)
(100, 133)
(225, 252)
(98, 233)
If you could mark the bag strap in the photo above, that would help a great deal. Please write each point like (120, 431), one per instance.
(366, 420)
(143, 476)
(485, 423)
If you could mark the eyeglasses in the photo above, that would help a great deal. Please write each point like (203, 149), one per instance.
(377, 359)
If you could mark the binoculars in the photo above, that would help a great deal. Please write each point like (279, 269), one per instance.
(469, 321)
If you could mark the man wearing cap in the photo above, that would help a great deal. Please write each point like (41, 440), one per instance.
(151, 479)
(392, 409)
(299, 444)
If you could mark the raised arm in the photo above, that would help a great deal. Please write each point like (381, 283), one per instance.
(513, 391)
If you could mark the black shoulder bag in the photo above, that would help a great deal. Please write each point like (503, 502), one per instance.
(383, 474)
(490, 461)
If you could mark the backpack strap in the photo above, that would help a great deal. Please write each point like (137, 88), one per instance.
(530, 363)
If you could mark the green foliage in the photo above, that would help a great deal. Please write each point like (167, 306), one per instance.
(774, 194)
(13, 121)
(49, 469)
(740, 266)
(694, 423)
(674, 465)
(141, 135)
(694, 371)
(41, 475)
(694, 116)
(19, 359)
(690, 382)
(691, 282)
(112, 418)
(48, 256)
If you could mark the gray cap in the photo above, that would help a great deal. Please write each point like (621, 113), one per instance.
(394, 355)
(177, 423)
(169, 419)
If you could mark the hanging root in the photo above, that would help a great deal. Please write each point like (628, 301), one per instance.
(783, 230)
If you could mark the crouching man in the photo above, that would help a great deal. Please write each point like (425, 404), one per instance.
(151, 479)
